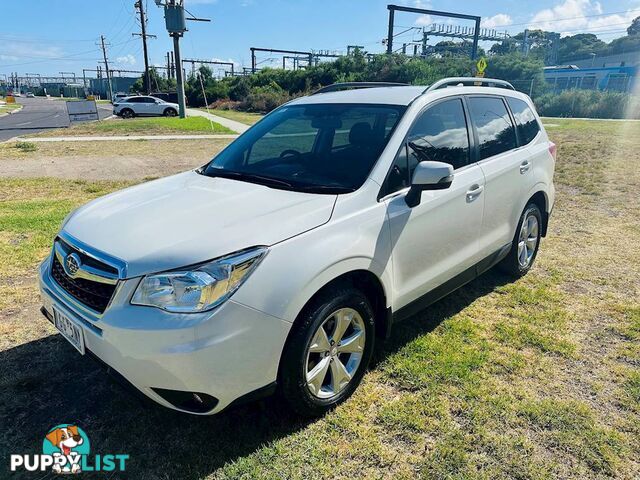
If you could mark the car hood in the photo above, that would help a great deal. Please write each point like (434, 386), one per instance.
(191, 218)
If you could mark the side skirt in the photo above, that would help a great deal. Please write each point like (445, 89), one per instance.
(450, 285)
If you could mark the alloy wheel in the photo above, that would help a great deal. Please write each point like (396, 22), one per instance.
(528, 240)
(335, 353)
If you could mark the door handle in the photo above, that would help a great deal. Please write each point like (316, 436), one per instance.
(525, 166)
(474, 192)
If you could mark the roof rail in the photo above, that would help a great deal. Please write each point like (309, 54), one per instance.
(346, 85)
(469, 81)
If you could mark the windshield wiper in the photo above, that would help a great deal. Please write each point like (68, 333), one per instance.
(337, 189)
(249, 177)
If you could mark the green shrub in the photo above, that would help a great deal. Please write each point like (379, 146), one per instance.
(264, 99)
(588, 104)
(26, 146)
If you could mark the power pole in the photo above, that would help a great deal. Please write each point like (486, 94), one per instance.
(106, 67)
(179, 77)
(143, 25)
(425, 39)
(176, 24)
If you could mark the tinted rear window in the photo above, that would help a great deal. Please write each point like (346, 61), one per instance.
(526, 122)
(493, 123)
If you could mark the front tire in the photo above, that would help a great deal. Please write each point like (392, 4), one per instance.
(170, 112)
(328, 351)
(526, 243)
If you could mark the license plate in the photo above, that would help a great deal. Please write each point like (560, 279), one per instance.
(69, 330)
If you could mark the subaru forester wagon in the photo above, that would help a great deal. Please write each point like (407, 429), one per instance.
(281, 263)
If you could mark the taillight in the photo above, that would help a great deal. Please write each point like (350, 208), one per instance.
(553, 150)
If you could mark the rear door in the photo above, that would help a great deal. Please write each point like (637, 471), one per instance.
(145, 106)
(504, 165)
(437, 239)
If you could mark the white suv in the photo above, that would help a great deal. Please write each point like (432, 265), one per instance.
(280, 264)
(140, 105)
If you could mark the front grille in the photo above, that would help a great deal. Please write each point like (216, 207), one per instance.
(94, 295)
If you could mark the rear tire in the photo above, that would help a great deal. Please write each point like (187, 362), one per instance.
(335, 333)
(526, 243)
(127, 113)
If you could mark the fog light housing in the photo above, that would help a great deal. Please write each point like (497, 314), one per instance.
(195, 402)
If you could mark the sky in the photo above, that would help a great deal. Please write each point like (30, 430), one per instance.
(48, 37)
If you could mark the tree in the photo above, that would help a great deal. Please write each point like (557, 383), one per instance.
(634, 28)
(508, 45)
(580, 46)
(158, 83)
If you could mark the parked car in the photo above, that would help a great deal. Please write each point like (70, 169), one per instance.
(119, 96)
(141, 105)
(284, 260)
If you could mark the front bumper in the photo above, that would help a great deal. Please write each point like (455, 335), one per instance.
(226, 353)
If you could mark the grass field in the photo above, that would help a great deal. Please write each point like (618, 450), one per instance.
(533, 379)
(247, 118)
(140, 126)
(8, 107)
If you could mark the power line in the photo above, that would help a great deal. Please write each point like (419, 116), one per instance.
(555, 20)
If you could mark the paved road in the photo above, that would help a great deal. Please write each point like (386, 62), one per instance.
(39, 114)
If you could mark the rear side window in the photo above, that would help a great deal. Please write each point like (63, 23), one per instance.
(526, 122)
(493, 124)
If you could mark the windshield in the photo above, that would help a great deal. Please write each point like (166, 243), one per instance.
(325, 148)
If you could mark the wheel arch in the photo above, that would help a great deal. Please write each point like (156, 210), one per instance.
(542, 201)
(371, 285)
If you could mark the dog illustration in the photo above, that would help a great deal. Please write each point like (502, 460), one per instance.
(66, 439)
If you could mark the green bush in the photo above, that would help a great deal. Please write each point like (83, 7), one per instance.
(264, 99)
(588, 104)
(26, 146)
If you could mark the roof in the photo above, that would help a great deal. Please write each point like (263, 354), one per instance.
(379, 95)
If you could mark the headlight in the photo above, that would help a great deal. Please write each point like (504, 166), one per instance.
(201, 288)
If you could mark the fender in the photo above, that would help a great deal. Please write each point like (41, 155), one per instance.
(331, 272)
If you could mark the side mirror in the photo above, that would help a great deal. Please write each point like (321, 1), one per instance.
(428, 176)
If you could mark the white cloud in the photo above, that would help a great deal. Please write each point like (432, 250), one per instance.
(576, 16)
(424, 20)
(31, 50)
(498, 20)
(126, 60)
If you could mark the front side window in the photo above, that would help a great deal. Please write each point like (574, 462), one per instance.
(319, 147)
(493, 124)
(526, 122)
(439, 134)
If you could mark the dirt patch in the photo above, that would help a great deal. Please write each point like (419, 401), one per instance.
(117, 160)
